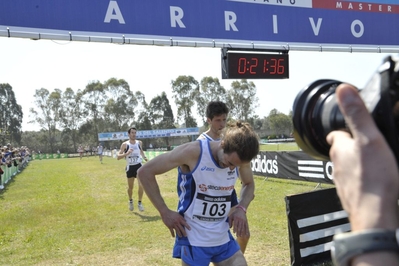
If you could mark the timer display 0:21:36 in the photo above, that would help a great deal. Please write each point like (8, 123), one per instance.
(257, 66)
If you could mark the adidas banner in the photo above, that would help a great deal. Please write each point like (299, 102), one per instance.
(295, 165)
(313, 219)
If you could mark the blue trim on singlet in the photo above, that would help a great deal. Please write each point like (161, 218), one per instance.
(207, 137)
(186, 190)
(186, 186)
(211, 155)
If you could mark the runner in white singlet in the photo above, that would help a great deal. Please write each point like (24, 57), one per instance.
(207, 173)
(133, 152)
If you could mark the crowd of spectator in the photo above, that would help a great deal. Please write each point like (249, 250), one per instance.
(12, 156)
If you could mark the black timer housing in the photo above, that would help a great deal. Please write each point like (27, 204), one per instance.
(254, 64)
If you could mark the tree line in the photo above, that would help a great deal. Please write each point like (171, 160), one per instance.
(69, 118)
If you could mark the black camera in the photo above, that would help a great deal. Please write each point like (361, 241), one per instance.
(316, 112)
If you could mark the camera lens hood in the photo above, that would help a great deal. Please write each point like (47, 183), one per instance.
(309, 128)
(316, 112)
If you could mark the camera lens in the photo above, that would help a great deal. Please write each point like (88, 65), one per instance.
(315, 114)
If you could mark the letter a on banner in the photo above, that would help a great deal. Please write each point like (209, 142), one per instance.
(113, 12)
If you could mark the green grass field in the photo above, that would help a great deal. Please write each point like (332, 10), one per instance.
(75, 212)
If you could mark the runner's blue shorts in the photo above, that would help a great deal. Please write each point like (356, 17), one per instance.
(203, 256)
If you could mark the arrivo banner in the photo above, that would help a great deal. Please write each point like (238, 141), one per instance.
(287, 23)
(296, 165)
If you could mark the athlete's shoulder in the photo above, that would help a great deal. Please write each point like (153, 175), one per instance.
(205, 136)
(201, 136)
(188, 148)
(124, 144)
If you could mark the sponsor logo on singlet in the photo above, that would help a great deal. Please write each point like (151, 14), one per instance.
(204, 187)
(208, 169)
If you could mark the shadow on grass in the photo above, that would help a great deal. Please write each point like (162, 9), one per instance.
(147, 218)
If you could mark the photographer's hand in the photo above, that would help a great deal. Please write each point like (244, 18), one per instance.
(365, 170)
(365, 173)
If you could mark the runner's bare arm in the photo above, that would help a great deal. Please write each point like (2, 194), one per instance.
(248, 185)
(186, 154)
(142, 152)
(121, 154)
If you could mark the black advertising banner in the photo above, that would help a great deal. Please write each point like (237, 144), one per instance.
(313, 219)
(296, 165)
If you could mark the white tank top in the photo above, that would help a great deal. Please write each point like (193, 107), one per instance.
(135, 157)
(205, 199)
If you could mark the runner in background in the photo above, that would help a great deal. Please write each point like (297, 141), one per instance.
(100, 150)
(80, 151)
(132, 151)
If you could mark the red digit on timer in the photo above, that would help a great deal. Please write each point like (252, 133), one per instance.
(277, 66)
(274, 67)
(280, 67)
(242, 65)
(265, 69)
(253, 66)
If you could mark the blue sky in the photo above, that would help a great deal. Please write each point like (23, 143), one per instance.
(29, 65)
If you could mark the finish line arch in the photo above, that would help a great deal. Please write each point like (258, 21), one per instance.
(302, 25)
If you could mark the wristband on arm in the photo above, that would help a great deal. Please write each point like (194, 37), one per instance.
(242, 208)
(346, 246)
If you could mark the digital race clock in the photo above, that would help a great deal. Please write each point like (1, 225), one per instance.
(253, 64)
